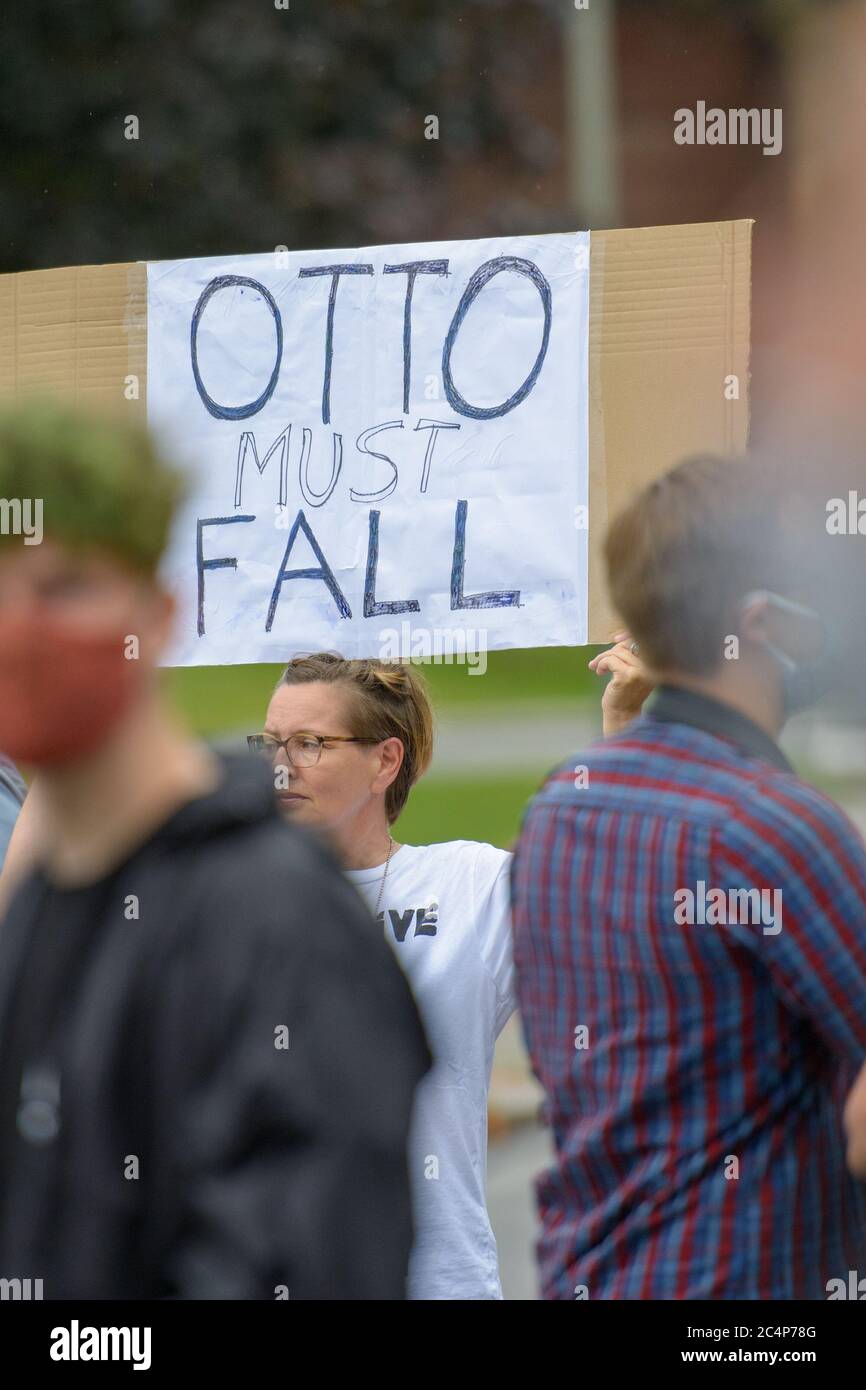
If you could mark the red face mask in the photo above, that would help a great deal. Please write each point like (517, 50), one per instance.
(61, 693)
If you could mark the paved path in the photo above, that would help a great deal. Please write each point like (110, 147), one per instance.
(511, 1166)
(519, 737)
(525, 735)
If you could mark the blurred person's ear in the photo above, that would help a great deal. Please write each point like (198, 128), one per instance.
(755, 621)
(780, 624)
(805, 648)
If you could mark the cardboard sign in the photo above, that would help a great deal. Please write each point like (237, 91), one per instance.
(388, 447)
(669, 319)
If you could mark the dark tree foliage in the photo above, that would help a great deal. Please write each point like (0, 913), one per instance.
(260, 126)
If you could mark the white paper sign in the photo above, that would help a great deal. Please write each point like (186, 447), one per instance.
(387, 447)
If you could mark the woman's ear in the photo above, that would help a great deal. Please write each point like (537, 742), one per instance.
(391, 754)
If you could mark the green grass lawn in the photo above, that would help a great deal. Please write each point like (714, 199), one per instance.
(491, 808)
(458, 808)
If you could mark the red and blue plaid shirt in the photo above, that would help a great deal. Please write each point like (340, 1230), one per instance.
(697, 1120)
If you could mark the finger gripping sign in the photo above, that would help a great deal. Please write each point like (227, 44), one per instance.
(395, 432)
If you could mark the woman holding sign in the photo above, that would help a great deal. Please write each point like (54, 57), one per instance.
(348, 740)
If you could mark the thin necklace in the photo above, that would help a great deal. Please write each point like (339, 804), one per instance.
(384, 876)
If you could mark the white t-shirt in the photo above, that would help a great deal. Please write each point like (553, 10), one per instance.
(445, 910)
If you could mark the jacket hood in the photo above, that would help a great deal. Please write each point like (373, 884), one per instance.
(243, 796)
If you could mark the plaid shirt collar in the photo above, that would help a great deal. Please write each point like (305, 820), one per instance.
(674, 704)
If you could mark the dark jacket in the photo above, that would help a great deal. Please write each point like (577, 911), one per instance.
(154, 1141)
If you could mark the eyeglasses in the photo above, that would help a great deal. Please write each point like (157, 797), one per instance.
(302, 750)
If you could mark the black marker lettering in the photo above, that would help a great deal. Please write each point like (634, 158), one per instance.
(247, 442)
(322, 571)
(412, 269)
(233, 412)
(495, 598)
(335, 271)
(318, 499)
(434, 426)
(361, 446)
(473, 289)
(372, 609)
(225, 561)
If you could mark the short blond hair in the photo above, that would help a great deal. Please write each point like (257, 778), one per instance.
(387, 699)
(686, 551)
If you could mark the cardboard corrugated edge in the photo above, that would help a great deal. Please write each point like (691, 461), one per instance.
(80, 331)
(668, 325)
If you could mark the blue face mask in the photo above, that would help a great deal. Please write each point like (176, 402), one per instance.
(803, 682)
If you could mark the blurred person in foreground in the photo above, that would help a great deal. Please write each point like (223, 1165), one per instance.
(207, 1052)
(690, 935)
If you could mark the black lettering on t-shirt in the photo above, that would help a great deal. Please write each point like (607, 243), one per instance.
(425, 922)
(401, 921)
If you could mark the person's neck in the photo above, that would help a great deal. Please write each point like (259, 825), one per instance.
(745, 690)
(364, 846)
(99, 810)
